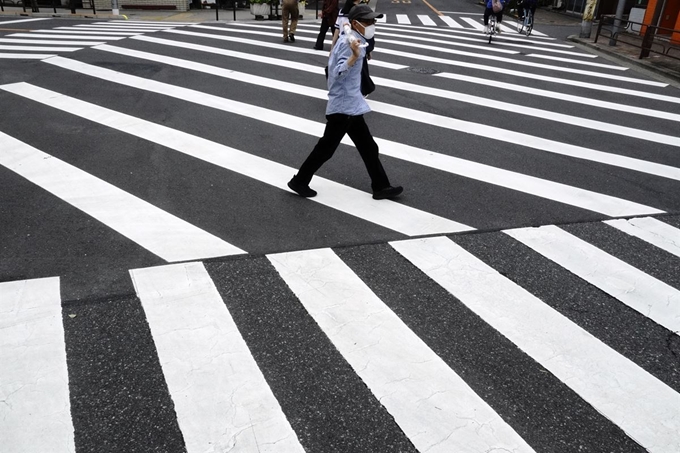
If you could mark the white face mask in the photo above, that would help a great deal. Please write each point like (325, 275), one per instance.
(369, 31)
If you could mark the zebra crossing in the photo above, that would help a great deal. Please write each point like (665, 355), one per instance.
(41, 44)
(439, 335)
(459, 22)
(225, 394)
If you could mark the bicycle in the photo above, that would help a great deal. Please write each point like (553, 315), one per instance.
(492, 26)
(525, 26)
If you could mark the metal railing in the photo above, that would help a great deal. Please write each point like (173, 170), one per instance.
(649, 41)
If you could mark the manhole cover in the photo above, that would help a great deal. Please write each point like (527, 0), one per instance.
(422, 70)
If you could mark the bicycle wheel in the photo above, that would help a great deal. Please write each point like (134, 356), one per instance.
(520, 24)
(529, 24)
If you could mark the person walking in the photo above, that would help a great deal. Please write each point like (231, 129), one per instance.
(289, 8)
(345, 111)
(329, 14)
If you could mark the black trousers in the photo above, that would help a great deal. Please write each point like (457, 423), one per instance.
(337, 126)
(322, 33)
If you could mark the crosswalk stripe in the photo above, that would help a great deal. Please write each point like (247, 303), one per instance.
(152, 22)
(90, 32)
(159, 232)
(391, 215)
(479, 45)
(35, 408)
(27, 56)
(426, 397)
(654, 231)
(567, 97)
(645, 294)
(645, 408)
(403, 152)
(535, 186)
(425, 20)
(40, 35)
(54, 42)
(110, 29)
(40, 48)
(5, 22)
(222, 400)
(572, 61)
(403, 19)
(149, 25)
(475, 23)
(450, 22)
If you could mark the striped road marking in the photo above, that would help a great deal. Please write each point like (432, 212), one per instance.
(650, 297)
(645, 408)
(656, 232)
(222, 400)
(35, 410)
(436, 409)
(159, 232)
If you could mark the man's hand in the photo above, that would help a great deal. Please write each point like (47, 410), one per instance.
(354, 47)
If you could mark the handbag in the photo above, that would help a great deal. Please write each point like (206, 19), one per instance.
(367, 85)
(497, 6)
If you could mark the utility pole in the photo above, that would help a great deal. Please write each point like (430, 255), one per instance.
(588, 16)
(649, 31)
(617, 22)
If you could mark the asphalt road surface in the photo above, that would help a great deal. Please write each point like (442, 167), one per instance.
(162, 290)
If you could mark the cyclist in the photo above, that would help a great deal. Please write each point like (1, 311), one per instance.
(524, 5)
(489, 11)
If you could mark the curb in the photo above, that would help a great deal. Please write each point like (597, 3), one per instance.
(670, 76)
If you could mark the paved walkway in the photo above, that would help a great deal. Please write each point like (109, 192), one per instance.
(658, 66)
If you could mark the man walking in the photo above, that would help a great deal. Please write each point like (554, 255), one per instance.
(329, 14)
(289, 8)
(345, 110)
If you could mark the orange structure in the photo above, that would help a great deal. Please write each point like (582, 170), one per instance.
(670, 18)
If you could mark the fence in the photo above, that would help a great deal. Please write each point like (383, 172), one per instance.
(649, 42)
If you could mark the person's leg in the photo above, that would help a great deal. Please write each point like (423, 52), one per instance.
(499, 16)
(322, 34)
(487, 13)
(368, 149)
(285, 11)
(336, 127)
(295, 15)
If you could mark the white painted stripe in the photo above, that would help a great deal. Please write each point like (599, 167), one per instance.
(544, 41)
(572, 61)
(35, 410)
(450, 22)
(112, 26)
(430, 40)
(90, 32)
(475, 23)
(157, 25)
(504, 106)
(650, 297)
(40, 48)
(54, 42)
(656, 232)
(590, 102)
(404, 152)
(511, 27)
(5, 22)
(25, 56)
(644, 407)
(448, 36)
(159, 232)
(402, 19)
(60, 36)
(222, 400)
(436, 409)
(109, 29)
(535, 186)
(425, 19)
(433, 59)
(395, 216)
(150, 22)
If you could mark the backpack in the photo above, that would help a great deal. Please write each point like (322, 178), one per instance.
(497, 6)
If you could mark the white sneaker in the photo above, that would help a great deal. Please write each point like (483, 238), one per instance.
(498, 30)
(486, 30)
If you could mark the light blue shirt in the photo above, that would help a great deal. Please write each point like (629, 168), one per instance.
(344, 83)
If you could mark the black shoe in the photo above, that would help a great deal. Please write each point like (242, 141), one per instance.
(388, 192)
(303, 191)
(291, 37)
(318, 48)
